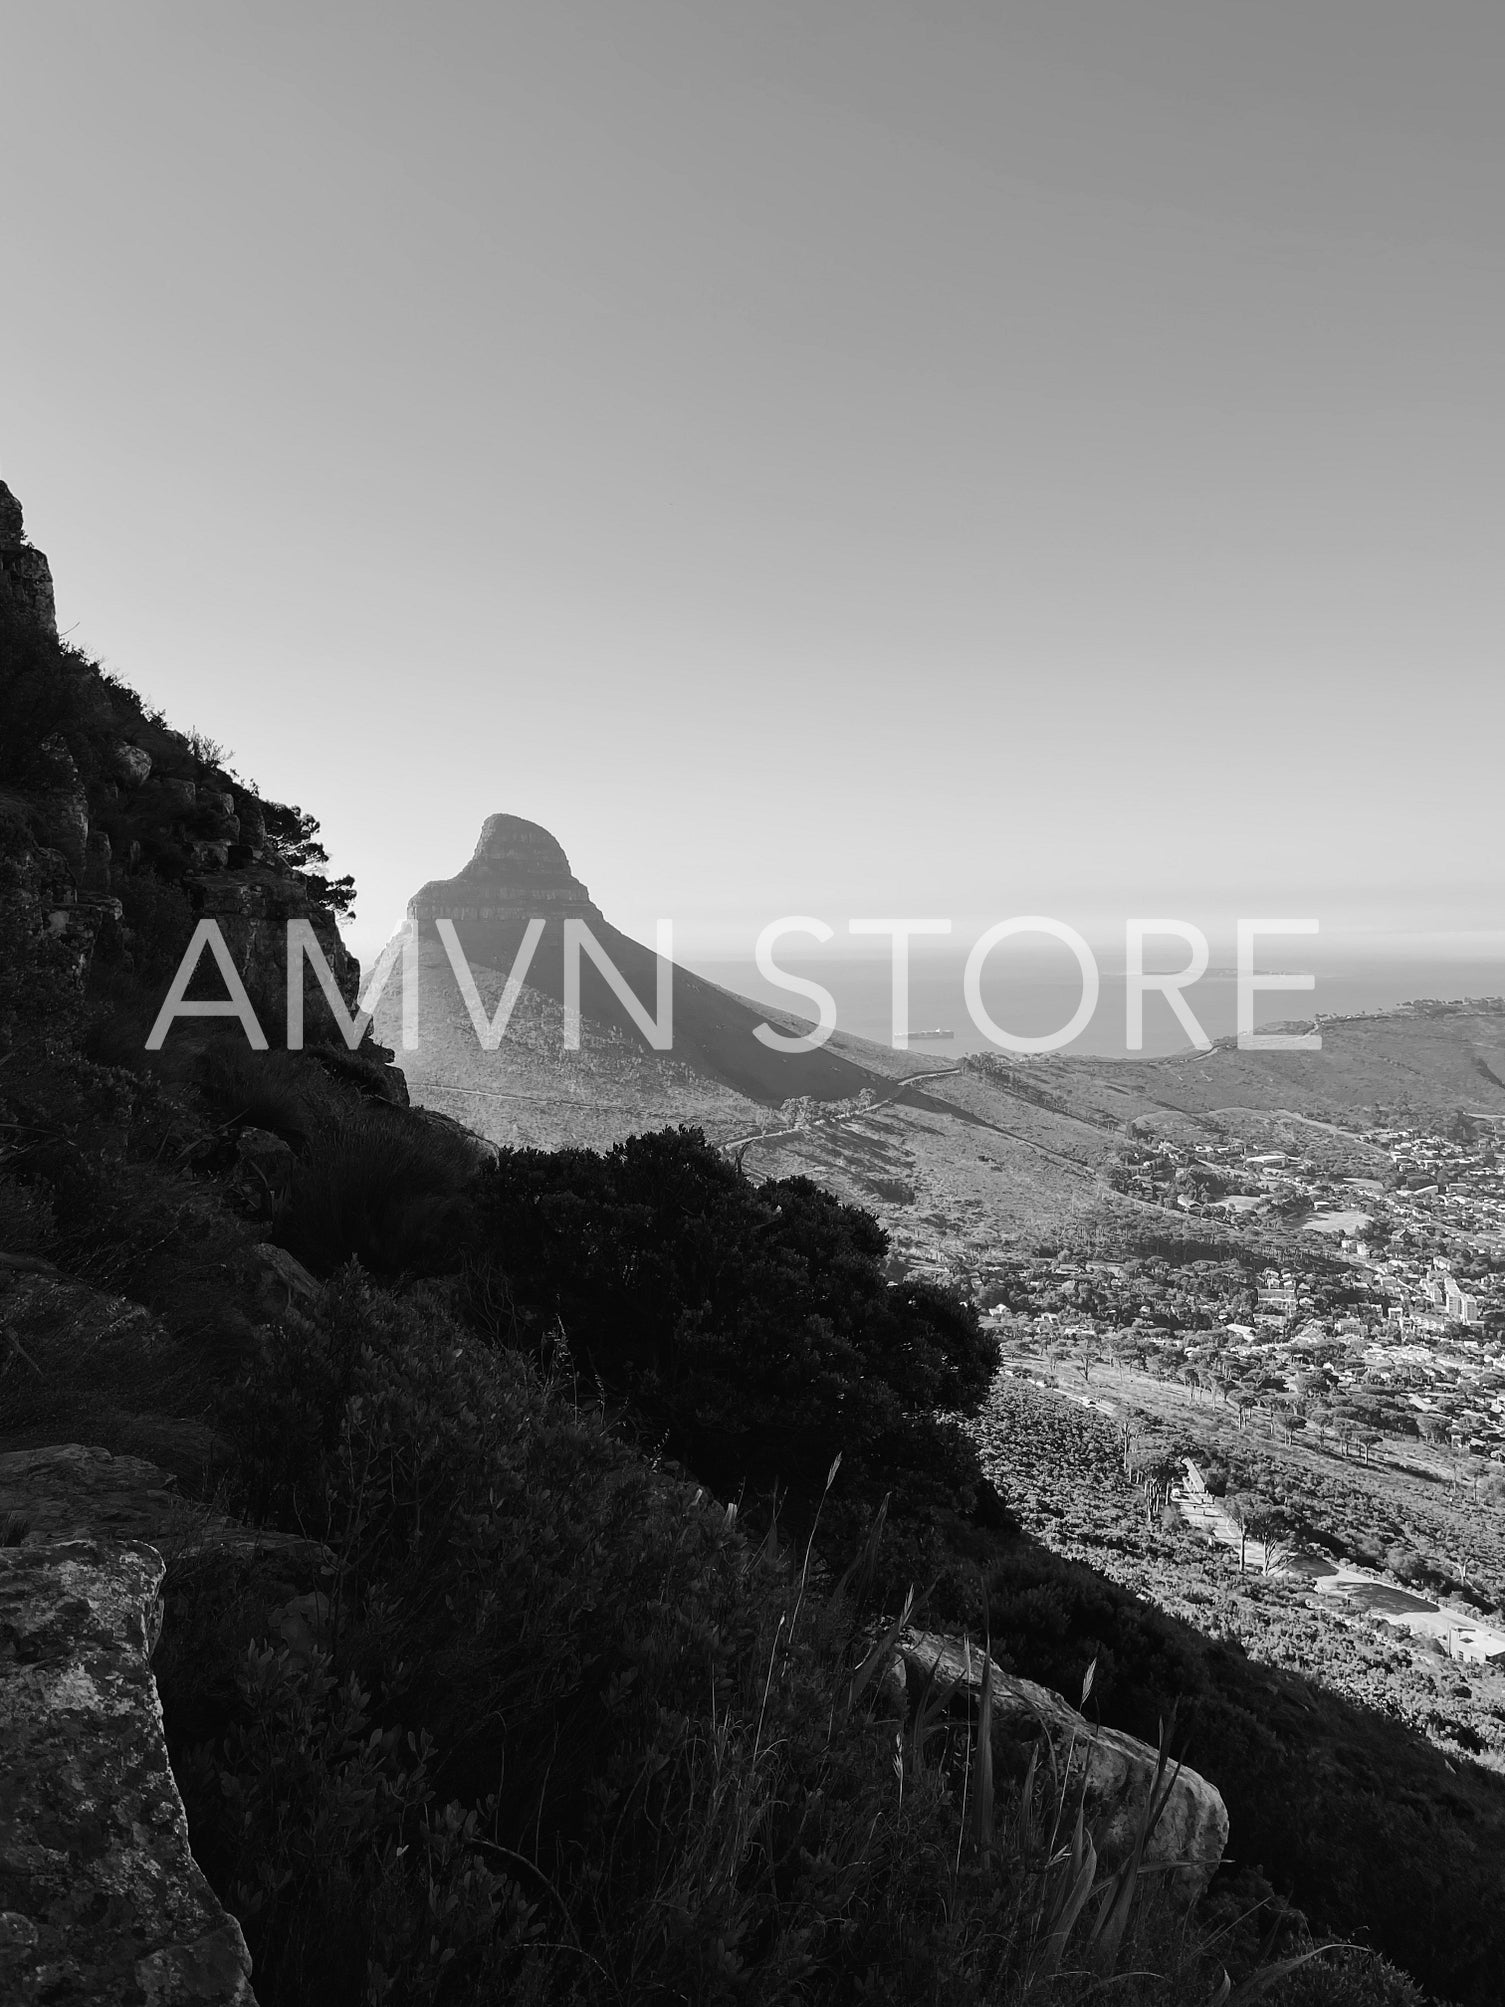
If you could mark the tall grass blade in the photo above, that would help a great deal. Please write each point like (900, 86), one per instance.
(982, 1799)
(1027, 1803)
(864, 1564)
(877, 1658)
(1266, 1976)
(1067, 1905)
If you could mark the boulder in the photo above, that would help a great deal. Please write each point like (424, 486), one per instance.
(101, 1900)
(131, 765)
(217, 806)
(1118, 1770)
(285, 1283)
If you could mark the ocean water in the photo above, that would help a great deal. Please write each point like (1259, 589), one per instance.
(1034, 997)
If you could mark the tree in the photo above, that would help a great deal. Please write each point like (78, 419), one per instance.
(1155, 1465)
(1263, 1519)
(1277, 1529)
(293, 838)
(1127, 1429)
(1245, 1508)
(750, 1327)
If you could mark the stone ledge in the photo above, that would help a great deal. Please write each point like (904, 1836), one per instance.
(101, 1901)
(77, 1491)
(1115, 1772)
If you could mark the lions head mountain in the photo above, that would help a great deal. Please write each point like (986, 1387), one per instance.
(515, 905)
(950, 1156)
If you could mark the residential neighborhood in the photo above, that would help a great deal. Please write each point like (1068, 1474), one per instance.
(1357, 1290)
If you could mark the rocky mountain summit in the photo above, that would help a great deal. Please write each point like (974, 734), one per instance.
(518, 870)
(717, 1072)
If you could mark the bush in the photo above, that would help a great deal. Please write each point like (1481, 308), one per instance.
(751, 1330)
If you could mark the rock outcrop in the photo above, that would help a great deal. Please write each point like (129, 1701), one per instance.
(25, 575)
(519, 872)
(77, 1491)
(116, 830)
(1114, 1771)
(101, 1900)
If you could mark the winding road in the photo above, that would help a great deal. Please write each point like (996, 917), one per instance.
(847, 1115)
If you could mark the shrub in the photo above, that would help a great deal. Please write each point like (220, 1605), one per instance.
(383, 1186)
(751, 1329)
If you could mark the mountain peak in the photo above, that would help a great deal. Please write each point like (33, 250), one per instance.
(508, 842)
(518, 871)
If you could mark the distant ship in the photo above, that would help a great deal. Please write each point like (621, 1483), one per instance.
(932, 1034)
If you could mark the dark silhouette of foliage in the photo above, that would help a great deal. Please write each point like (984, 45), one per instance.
(749, 1328)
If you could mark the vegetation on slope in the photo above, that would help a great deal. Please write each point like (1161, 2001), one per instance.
(533, 1716)
(1320, 1744)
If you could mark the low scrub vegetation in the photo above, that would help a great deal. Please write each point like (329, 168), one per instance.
(556, 1727)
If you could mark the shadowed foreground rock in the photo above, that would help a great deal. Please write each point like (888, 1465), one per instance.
(1191, 1832)
(101, 1900)
(77, 1491)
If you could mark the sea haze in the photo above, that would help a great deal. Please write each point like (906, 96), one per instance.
(1033, 994)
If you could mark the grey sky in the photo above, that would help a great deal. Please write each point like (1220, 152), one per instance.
(833, 458)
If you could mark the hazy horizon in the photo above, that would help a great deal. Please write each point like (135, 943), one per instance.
(831, 461)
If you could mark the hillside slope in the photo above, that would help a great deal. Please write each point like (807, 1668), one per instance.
(512, 1708)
